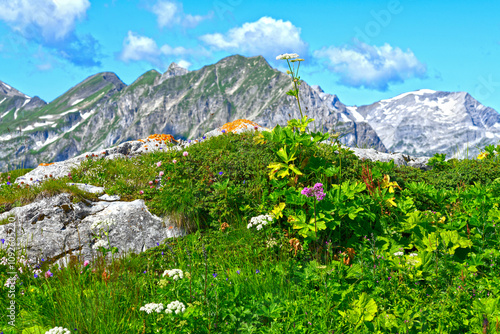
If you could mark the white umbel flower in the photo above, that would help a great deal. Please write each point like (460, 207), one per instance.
(174, 273)
(287, 56)
(152, 307)
(176, 307)
(260, 221)
(100, 243)
(58, 330)
(398, 254)
(106, 223)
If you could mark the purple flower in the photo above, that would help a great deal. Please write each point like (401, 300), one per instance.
(214, 275)
(8, 183)
(3, 240)
(223, 131)
(238, 272)
(317, 191)
(257, 271)
(220, 173)
(204, 137)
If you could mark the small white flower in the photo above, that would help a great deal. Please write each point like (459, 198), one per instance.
(103, 224)
(100, 243)
(271, 243)
(260, 221)
(413, 254)
(58, 330)
(176, 307)
(398, 254)
(4, 261)
(152, 307)
(287, 56)
(174, 273)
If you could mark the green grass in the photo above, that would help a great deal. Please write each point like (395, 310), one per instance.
(275, 280)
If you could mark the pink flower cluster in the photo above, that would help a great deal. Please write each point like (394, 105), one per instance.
(317, 191)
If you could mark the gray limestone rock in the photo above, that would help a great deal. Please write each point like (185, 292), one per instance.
(55, 228)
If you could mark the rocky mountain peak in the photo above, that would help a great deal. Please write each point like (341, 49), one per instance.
(8, 91)
(173, 70)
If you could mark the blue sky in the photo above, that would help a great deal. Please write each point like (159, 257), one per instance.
(361, 50)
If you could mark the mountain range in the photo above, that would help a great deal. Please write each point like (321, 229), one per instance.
(102, 112)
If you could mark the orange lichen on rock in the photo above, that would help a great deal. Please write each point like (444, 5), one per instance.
(159, 138)
(43, 164)
(238, 124)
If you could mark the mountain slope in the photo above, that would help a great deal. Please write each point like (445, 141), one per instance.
(102, 112)
(425, 122)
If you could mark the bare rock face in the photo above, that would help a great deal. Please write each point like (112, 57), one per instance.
(55, 228)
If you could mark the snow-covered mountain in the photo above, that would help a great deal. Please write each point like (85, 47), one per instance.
(425, 122)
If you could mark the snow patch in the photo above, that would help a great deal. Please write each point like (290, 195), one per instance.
(25, 102)
(68, 111)
(3, 100)
(47, 117)
(5, 137)
(87, 115)
(5, 113)
(8, 87)
(49, 140)
(417, 92)
(356, 114)
(77, 101)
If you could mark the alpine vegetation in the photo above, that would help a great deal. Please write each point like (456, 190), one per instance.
(287, 231)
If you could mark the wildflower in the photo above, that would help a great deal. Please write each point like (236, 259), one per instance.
(148, 308)
(48, 274)
(174, 161)
(185, 154)
(174, 273)
(161, 173)
(58, 330)
(158, 164)
(257, 271)
(100, 243)
(398, 254)
(238, 272)
(287, 56)
(176, 307)
(317, 191)
(260, 221)
(271, 243)
(214, 275)
(141, 192)
(150, 182)
(220, 173)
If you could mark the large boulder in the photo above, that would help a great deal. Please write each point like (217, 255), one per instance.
(54, 228)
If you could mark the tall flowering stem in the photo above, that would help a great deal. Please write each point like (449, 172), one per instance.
(292, 58)
(317, 191)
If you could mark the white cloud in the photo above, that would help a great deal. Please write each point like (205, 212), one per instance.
(136, 47)
(267, 37)
(141, 48)
(53, 20)
(170, 14)
(371, 66)
(184, 64)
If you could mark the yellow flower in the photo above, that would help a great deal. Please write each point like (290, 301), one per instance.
(482, 155)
